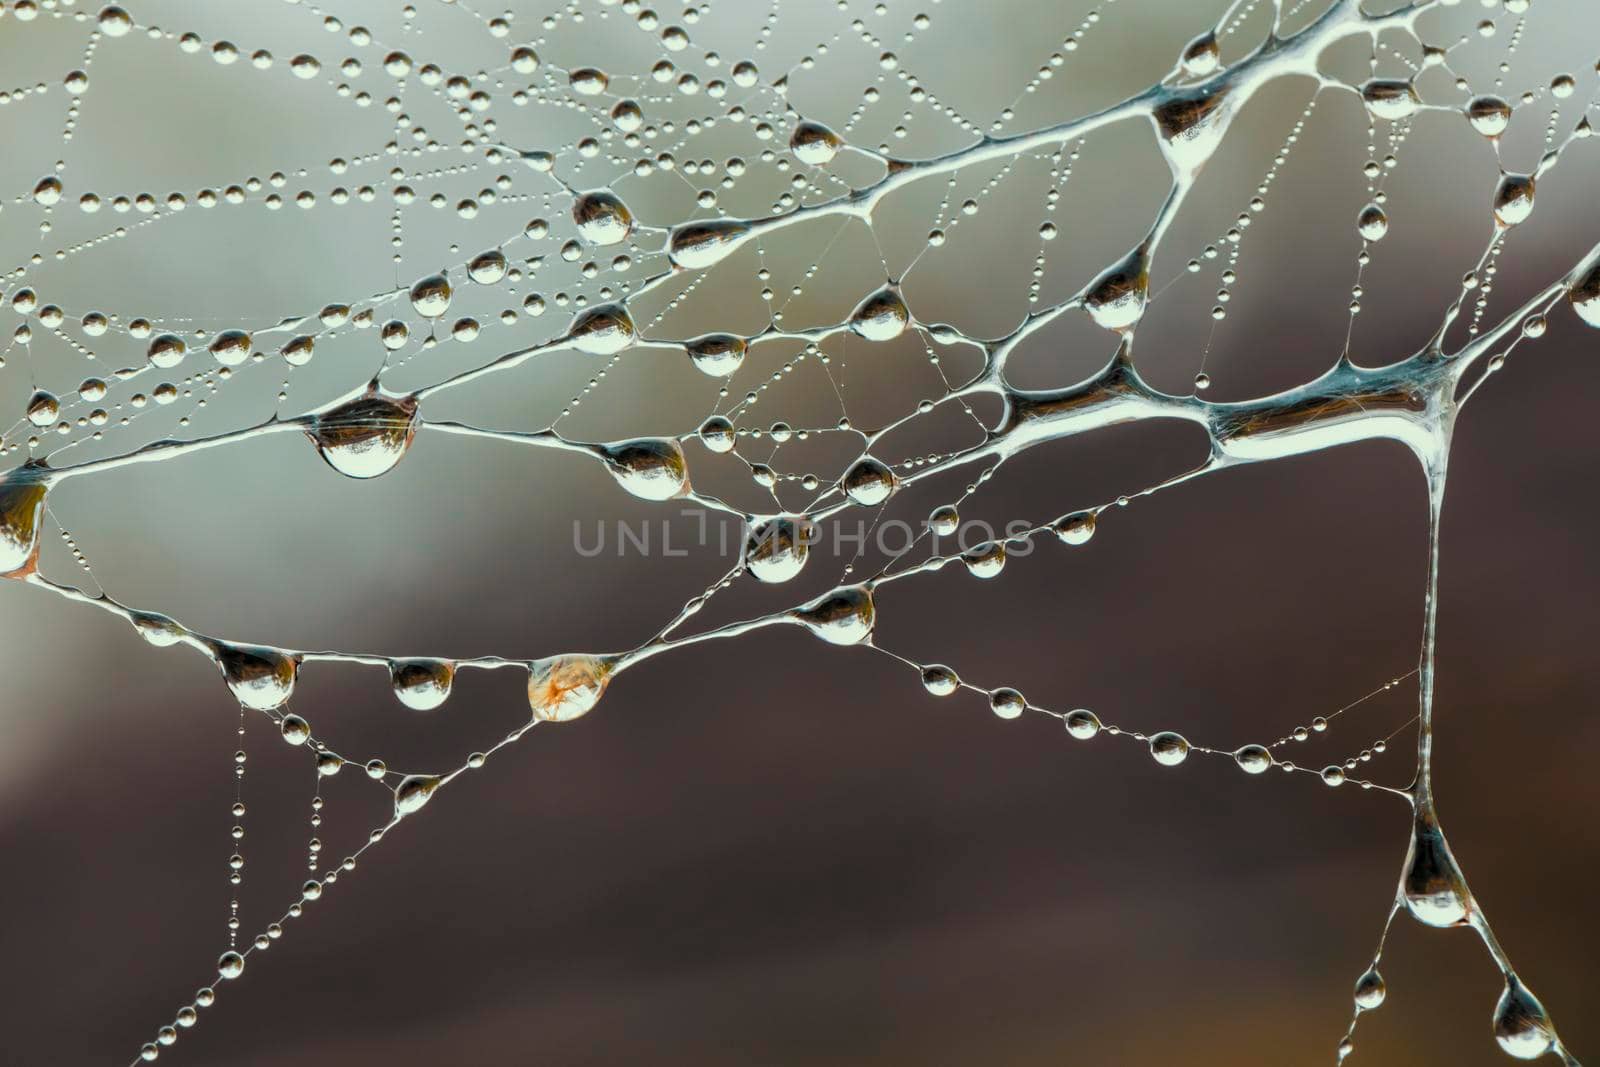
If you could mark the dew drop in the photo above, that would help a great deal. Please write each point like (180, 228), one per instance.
(367, 436)
(1168, 748)
(231, 347)
(602, 218)
(1521, 1025)
(422, 684)
(261, 678)
(1007, 703)
(1390, 98)
(842, 617)
(1488, 115)
(157, 629)
(1585, 295)
(697, 245)
(1373, 223)
(651, 468)
(986, 560)
(487, 268)
(1433, 887)
(297, 350)
(166, 351)
(22, 493)
(1370, 990)
(717, 354)
(944, 520)
(869, 482)
(230, 965)
(882, 316)
(294, 729)
(587, 81)
(717, 434)
(814, 144)
(1513, 199)
(1076, 528)
(777, 547)
(1081, 723)
(940, 680)
(1116, 299)
(430, 297)
(413, 792)
(602, 330)
(1201, 55)
(1253, 759)
(563, 688)
(43, 408)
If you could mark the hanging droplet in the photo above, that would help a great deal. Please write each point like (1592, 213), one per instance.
(944, 520)
(1585, 295)
(1370, 990)
(422, 684)
(1200, 56)
(1116, 299)
(1074, 529)
(367, 436)
(43, 408)
(1007, 703)
(157, 629)
(22, 492)
(842, 617)
(717, 354)
(1390, 98)
(882, 316)
(1513, 199)
(1433, 887)
(488, 268)
(524, 60)
(166, 351)
(1488, 115)
(940, 680)
(230, 965)
(601, 217)
(1253, 759)
(588, 81)
(261, 678)
(329, 764)
(651, 468)
(430, 297)
(297, 350)
(869, 482)
(697, 245)
(986, 560)
(294, 729)
(1521, 1025)
(1190, 123)
(1373, 223)
(602, 330)
(1081, 723)
(563, 688)
(814, 144)
(717, 434)
(231, 347)
(1333, 775)
(1168, 748)
(413, 792)
(777, 547)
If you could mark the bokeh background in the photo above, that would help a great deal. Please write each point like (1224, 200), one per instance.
(771, 850)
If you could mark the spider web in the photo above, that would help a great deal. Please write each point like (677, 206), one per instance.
(714, 227)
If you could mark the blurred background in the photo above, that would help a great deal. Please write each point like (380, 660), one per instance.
(772, 850)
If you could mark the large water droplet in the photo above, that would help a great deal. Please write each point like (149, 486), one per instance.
(156, 628)
(422, 684)
(869, 482)
(1116, 299)
(1190, 124)
(1521, 1025)
(413, 792)
(882, 316)
(261, 678)
(842, 617)
(697, 245)
(777, 547)
(717, 434)
(294, 729)
(1585, 296)
(1489, 115)
(1081, 723)
(1076, 528)
(602, 218)
(367, 436)
(231, 347)
(1168, 748)
(1390, 98)
(1201, 55)
(563, 688)
(1370, 990)
(940, 680)
(166, 351)
(602, 330)
(651, 468)
(813, 143)
(488, 268)
(43, 408)
(1253, 759)
(230, 965)
(1433, 887)
(430, 297)
(717, 354)
(22, 493)
(1513, 199)
(1373, 223)
(1007, 703)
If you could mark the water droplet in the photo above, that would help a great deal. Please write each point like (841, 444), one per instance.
(329, 764)
(157, 629)
(1585, 295)
(1076, 528)
(297, 350)
(311, 890)
(651, 468)
(261, 678)
(603, 330)
(1190, 124)
(777, 547)
(882, 316)
(944, 520)
(717, 354)
(1390, 98)
(230, 965)
(588, 81)
(367, 436)
(602, 218)
(986, 560)
(1201, 55)
(1116, 299)
(940, 680)
(1253, 759)
(1513, 199)
(413, 792)
(166, 351)
(1521, 1025)
(1007, 703)
(524, 60)
(1081, 723)
(294, 729)
(1168, 748)
(1433, 887)
(487, 268)
(697, 245)
(1373, 223)
(563, 688)
(814, 144)
(1489, 115)
(430, 297)
(842, 617)
(869, 482)
(1370, 990)
(717, 434)
(1333, 775)
(22, 495)
(422, 684)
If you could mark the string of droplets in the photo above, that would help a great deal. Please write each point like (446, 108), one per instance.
(366, 432)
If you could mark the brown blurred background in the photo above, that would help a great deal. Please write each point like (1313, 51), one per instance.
(772, 851)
